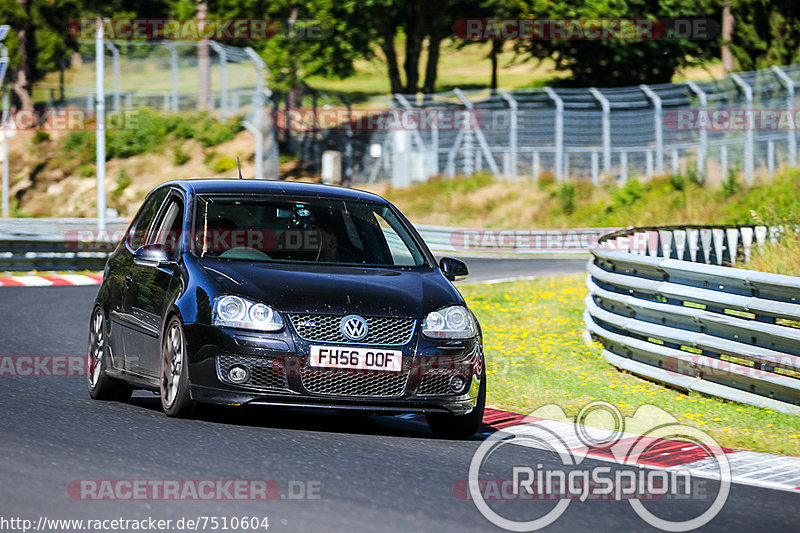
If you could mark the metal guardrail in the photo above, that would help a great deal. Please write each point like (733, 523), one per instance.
(75, 244)
(56, 244)
(661, 312)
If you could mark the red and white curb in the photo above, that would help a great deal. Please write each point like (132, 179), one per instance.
(41, 280)
(746, 468)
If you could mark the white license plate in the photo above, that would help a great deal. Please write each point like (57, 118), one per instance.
(356, 358)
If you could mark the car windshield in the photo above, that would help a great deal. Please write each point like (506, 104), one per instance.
(302, 230)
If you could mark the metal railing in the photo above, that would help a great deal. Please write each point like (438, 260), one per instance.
(587, 134)
(662, 313)
(76, 244)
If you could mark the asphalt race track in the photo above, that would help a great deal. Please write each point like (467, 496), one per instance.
(378, 474)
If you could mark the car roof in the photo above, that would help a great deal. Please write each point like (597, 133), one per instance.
(254, 186)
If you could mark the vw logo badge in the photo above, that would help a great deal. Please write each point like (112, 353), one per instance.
(354, 327)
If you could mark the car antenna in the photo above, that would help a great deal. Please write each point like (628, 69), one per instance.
(239, 165)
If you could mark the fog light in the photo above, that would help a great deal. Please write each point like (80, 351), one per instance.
(238, 374)
(457, 383)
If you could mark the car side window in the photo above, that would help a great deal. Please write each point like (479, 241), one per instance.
(401, 256)
(169, 228)
(147, 214)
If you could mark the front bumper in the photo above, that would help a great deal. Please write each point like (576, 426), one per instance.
(278, 373)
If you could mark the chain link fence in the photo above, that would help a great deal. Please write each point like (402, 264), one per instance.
(743, 123)
(173, 76)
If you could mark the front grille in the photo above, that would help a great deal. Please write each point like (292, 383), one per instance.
(262, 376)
(339, 382)
(381, 330)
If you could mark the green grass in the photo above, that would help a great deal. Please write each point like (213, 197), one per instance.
(482, 201)
(536, 355)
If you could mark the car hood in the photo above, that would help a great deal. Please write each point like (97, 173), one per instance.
(335, 290)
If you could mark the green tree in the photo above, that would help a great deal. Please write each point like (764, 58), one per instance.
(765, 33)
(619, 62)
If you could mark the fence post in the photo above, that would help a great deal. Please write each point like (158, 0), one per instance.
(100, 128)
(723, 160)
(512, 132)
(792, 140)
(479, 135)
(606, 128)
(115, 59)
(559, 132)
(702, 150)
(6, 130)
(658, 125)
(257, 128)
(749, 139)
(623, 164)
(676, 162)
(771, 157)
(173, 67)
(223, 78)
(536, 167)
(595, 168)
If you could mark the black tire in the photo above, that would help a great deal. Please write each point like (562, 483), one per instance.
(100, 385)
(175, 398)
(459, 426)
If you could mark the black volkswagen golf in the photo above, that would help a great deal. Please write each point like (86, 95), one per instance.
(236, 292)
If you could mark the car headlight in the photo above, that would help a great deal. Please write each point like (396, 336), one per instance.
(237, 312)
(453, 322)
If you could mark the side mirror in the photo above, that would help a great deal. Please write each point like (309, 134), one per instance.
(155, 255)
(453, 269)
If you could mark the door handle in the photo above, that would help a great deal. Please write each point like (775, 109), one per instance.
(128, 280)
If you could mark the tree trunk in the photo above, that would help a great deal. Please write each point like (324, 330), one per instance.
(295, 88)
(431, 69)
(203, 61)
(26, 73)
(728, 64)
(497, 47)
(387, 45)
(415, 32)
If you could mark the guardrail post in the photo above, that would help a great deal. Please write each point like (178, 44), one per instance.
(791, 136)
(115, 64)
(559, 131)
(665, 236)
(512, 132)
(733, 244)
(679, 237)
(761, 235)
(479, 135)
(658, 127)
(693, 241)
(749, 134)
(702, 149)
(604, 103)
(747, 243)
(719, 245)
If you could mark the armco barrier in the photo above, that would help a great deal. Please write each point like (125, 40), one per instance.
(661, 312)
(56, 244)
(75, 244)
